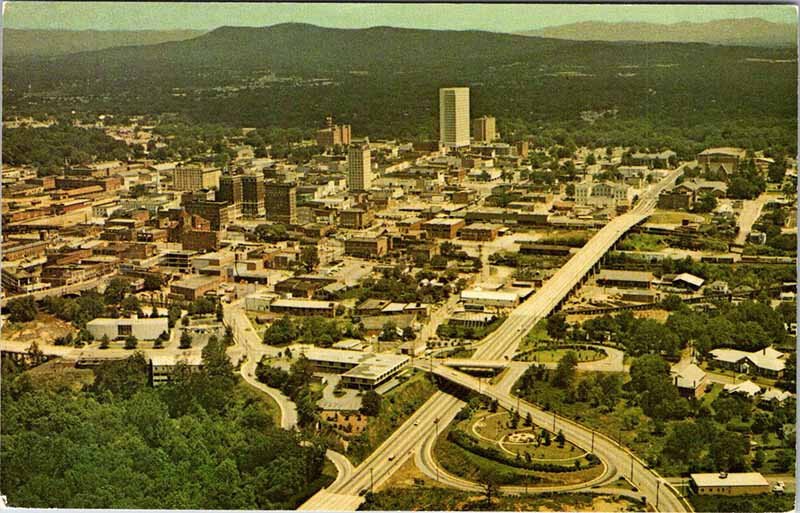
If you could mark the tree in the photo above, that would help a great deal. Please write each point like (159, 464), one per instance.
(557, 326)
(186, 340)
(560, 440)
(389, 331)
(564, 374)
(22, 309)
(153, 282)
(488, 481)
(281, 332)
(309, 256)
(371, 403)
(104, 342)
(784, 460)
(529, 420)
(173, 314)
(116, 290)
(777, 171)
(131, 342)
(706, 203)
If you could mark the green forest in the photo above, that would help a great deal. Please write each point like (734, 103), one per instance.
(200, 442)
(683, 96)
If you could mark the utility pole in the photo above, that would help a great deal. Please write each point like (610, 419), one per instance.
(592, 451)
(658, 487)
(631, 467)
(436, 423)
(554, 422)
(371, 482)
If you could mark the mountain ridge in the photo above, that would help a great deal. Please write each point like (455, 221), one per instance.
(50, 43)
(734, 31)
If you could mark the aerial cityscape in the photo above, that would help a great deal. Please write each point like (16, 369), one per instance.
(399, 257)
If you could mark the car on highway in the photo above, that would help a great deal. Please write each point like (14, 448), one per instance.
(416, 423)
(391, 458)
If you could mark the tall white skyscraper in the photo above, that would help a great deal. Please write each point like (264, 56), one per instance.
(359, 167)
(454, 116)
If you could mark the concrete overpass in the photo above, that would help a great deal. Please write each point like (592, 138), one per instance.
(469, 363)
(651, 485)
(441, 408)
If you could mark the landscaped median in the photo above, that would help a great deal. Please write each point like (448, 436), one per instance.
(512, 451)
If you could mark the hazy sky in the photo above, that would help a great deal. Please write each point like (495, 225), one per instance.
(500, 18)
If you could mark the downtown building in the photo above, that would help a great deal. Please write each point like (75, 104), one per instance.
(359, 167)
(484, 129)
(454, 117)
(333, 135)
(281, 202)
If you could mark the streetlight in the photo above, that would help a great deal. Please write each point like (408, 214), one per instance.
(592, 451)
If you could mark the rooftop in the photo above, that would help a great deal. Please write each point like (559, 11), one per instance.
(614, 275)
(733, 479)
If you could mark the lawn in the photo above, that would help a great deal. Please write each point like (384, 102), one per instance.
(535, 337)
(674, 217)
(554, 355)
(494, 426)
(636, 432)
(642, 242)
(461, 462)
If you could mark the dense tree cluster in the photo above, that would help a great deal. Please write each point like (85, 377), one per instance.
(295, 383)
(196, 443)
(51, 148)
(320, 331)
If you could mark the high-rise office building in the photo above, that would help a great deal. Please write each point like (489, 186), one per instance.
(281, 202)
(230, 189)
(484, 129)
(454, 117)
(359, 167)
(253, 195)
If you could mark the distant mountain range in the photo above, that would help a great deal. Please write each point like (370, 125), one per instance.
(45, 43)
(743, 32)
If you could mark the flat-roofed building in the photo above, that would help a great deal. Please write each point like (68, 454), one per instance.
(192, 178)
(490, 298)
(625, 279)
(454, 117)
(281, 202)
(366, 247)
(162, 367)
(253, 196)
(194, 287)
(735, 483)
(304, 307)
(484, 129)
(480, 232)
(356, 218)
(142, 329)
(443, 228)
(359, 370)
(534, 248)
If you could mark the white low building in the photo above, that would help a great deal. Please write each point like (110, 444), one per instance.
(142, 329)
(490, 298)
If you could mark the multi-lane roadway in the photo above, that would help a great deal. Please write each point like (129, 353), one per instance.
(439, 410)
